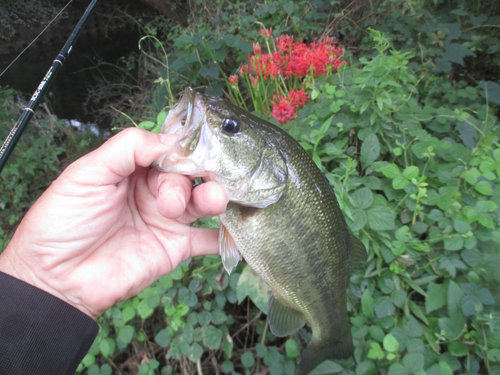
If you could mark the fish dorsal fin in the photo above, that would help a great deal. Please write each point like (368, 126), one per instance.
(283, 320)
(358, 252)
(228, 250)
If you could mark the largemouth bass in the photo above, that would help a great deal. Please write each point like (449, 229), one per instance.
(283, 217)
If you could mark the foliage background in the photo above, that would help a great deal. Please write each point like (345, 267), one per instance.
(407, 135)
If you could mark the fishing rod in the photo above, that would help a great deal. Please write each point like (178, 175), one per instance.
(16, 132)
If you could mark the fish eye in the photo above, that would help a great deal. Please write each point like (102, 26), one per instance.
(230, 125)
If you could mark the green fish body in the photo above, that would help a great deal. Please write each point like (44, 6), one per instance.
(283, 218)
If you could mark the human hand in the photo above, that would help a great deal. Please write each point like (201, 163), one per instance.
(109, 226)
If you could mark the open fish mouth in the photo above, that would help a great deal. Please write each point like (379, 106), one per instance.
(186, 120)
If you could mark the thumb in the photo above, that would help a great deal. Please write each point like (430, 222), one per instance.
(119, 157)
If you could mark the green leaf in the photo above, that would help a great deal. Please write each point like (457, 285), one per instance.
(399, 183)
(326, 368)
(128, 313)
(195, 352)
(247, 359)
(397, 369)
(370, 150)
(391, 171)
(461, 227)
(292, 348)
(458, 349)
(494, 355)
(381, 218)
(366, 367)
(454, 298)
(403, 234)
(163, 338)
(126, 333)
(176, 274)
(252, 286)
(413, 362)
(376, 351)
(289, 7)
(212, 337)
(363, 198)
(445, 368)
(144, 310)
(435, 297)
(399, 298)
(367, 305)
(390, 343)
(384, 307)
(160, 118)
(451, 327)
(410, 172)
(484, 187)
(454, 243)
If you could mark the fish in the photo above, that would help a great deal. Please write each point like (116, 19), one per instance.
(282, 217)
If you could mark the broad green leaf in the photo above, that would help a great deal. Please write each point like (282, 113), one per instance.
(252, 286)
(457, 348)
(376, 351)
(435, 297)
(452, 328)
(484, 187)
(384, 307)
(413, 362)
(390, 343)
(445, 368)
(176, 274)
(363, 198)
(163, 337)
(367, 305)
(195, 352)
(397, 369)
(410, 172)
(454, 298)
(291, 348)
(381, 218)
(391, 171)
(454, 243)
(212, 337)
(247, 359)
(370, 150)
(366, 367)
(399, 183)
(326, 368)
(126, 333)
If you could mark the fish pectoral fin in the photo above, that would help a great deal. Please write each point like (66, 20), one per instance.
(228, 250)
(358, 253)
(283, 320)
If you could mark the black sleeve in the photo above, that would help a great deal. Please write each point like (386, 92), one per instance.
(39, 333)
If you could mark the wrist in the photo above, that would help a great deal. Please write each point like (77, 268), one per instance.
(21, 272)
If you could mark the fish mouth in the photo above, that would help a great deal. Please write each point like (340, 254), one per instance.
(185, 120)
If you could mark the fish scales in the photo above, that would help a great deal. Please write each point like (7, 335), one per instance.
(283, 217)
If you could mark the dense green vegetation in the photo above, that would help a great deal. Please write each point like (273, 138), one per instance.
(408, 136)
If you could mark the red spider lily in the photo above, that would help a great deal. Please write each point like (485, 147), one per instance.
(257, 50)
(233, 79)
(297, 98)
(283, 111)
(254, 80)
(267, 65)
(285, 108)
(244, 69)
(285, 69)
(266, 33)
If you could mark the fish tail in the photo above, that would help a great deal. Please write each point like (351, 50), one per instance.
(316, 353)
